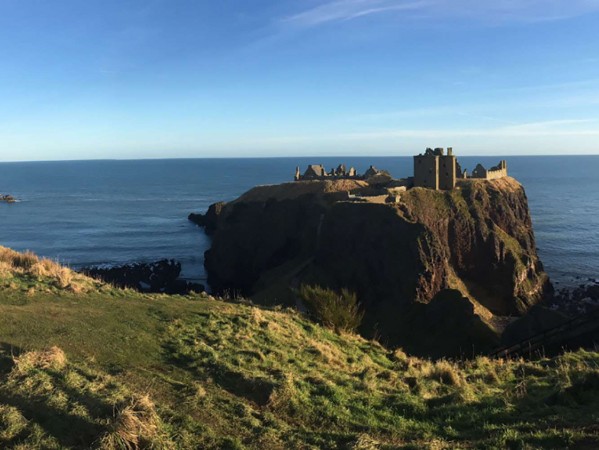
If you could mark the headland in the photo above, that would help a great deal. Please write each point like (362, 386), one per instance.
(439, 261)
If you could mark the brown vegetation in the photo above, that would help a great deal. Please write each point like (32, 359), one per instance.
(28, 265)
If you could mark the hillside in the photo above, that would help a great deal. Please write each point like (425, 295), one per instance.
(84, 365)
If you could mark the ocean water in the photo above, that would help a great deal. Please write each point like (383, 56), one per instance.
(112, 212)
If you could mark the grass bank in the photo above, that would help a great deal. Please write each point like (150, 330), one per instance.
(90, 366)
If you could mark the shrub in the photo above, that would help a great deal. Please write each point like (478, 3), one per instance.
(338, 311)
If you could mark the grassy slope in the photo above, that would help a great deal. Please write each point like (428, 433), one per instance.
(224, 375)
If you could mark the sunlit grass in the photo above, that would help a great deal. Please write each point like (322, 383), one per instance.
(110, 368)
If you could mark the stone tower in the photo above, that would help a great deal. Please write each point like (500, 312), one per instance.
(447, 170)
(435, 169)
(426, 170)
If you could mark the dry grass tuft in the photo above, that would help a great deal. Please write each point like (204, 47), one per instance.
(53, 358)
(444, 372)
(327, 352)
(24, 260)
(365, 442)
(38, 271)
(257, 316)
(14, 264)
(5, 268)
(64, 277)
(136, 425)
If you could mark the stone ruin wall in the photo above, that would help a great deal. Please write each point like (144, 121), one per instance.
(493, 174)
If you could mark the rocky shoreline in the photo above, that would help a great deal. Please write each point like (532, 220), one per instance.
(155, 277)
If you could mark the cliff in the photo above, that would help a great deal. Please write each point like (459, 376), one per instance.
(432, 263)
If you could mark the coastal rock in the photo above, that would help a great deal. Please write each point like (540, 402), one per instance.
(209, 220)
(476, 239)
(537, 320)
(7, 198)
(157, 277)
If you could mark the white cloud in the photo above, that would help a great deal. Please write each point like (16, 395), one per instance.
(480, 10)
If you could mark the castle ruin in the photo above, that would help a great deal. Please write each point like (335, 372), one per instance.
(434, 169)
(498, 171)
(440, 171)
(318, 172)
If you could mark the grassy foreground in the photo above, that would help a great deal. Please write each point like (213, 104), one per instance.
(84, 365)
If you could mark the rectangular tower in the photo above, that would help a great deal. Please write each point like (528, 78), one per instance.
(447, 171)
(426, 171)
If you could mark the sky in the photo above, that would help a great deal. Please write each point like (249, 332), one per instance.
(102, 79)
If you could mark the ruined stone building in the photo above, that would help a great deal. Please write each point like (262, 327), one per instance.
(437, 170)
(499, 171)
(371, 172)
(318, 172)
(313, 172)
(434, 169)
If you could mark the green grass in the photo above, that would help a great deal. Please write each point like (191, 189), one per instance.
(155, 371)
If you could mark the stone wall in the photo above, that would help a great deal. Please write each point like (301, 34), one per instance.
(499, 171)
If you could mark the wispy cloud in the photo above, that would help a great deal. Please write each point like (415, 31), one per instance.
(341, 10)
(537, 131)
(489, 11)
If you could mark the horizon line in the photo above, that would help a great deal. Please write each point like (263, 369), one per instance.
(279, 157)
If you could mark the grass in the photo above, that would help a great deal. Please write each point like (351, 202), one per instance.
(109, 368)
(20, 271)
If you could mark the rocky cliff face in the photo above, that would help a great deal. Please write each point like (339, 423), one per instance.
(400, 258)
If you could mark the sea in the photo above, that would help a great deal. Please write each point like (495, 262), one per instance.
(112, 212)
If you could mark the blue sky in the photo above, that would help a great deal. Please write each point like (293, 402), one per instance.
(201, 78)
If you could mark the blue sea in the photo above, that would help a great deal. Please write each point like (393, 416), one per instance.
(85, 213)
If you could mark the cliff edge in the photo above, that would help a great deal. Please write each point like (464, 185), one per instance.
(437, 272)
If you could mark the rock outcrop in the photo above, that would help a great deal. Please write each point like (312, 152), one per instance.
(7, 198)
(157, 277)
(398, 257)
(209, 220)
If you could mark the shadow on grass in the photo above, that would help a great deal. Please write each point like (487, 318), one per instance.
(69, 430)
(52, 415)
(255, 390)
(7, 352)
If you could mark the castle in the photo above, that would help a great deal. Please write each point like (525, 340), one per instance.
(318, 172)
(437, 170)
(434, 170)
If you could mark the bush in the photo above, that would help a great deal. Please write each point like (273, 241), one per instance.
(338, 311)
